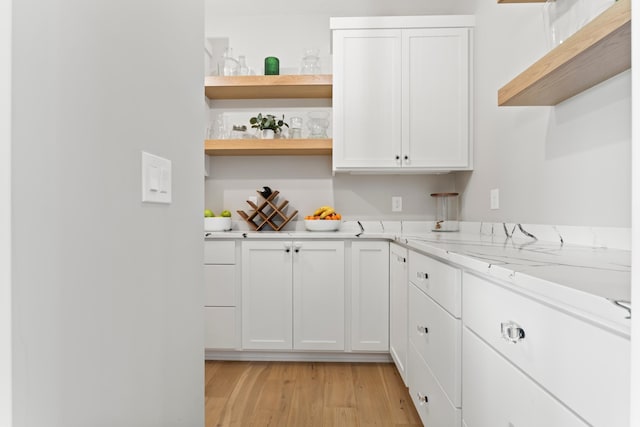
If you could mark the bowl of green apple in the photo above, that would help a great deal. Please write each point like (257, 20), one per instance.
(217, 223)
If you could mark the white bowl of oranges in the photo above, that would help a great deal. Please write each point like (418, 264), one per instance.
(325, 218)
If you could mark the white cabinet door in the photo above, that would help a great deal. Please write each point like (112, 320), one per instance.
(370, 296)
(318, 295)
(435, 98)
(398, 284)
(267, 295)
(366, 99)
(495, 393)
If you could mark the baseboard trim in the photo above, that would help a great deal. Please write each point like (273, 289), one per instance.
(270, 356)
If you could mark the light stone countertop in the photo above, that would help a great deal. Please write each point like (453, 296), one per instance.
(591, 281)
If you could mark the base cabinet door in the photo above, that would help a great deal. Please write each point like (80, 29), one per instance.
(293, 295)
(398, 307)
(318, 295)
(370, 296)
(220, 328)
(430, 400)
(495, 393)
(267, 295)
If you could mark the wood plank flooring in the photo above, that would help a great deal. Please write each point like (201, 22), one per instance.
(306, 394)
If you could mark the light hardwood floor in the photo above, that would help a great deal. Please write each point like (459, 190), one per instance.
(300, 394)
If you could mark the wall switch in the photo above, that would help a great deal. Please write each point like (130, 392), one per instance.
(156, 179)
(495, 198)
(396, 204)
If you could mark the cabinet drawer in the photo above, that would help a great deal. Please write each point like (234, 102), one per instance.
(220, 327)
(438, 411)
(220, 285)
(495, 393)
(440, 344)
(223, 252)
(584, 366)
(438, 280)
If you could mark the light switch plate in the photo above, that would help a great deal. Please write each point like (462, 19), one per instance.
(156, 179)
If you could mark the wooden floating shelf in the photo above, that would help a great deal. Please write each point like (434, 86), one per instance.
(265, 87)
(268, 147)
(597, 52)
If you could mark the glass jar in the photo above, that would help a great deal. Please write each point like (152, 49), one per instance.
(446, 212)
(318, 124)
(310, 62)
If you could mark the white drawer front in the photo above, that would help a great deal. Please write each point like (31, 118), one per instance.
(439, 344)
(222, 252)
(220, 327)
(584, 366)
(495, 393)
(438, 411)
(440, 281)
(220, 285)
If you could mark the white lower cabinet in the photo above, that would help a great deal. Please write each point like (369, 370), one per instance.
(221, 296)
(584, 366)
(293, 295)
(437, 337)
(370, 296)
(430, 400)
(398, 315)
(495, 393)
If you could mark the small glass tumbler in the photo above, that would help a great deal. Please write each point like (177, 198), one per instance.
(271, 66)
(295, 128)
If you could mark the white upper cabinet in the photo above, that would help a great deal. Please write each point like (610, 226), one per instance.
(402, 94)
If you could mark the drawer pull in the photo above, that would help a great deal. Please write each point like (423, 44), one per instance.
(422, 398)
(423, 329)
(511, 332)
(422, 275)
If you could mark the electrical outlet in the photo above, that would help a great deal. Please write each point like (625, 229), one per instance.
(396, 204)
(495, 198)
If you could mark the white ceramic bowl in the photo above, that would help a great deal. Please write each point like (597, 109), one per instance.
(322, 224)
(217, 223)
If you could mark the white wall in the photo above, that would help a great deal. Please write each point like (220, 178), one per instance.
(5, 214)
(568, 164)
(107, 318)
(285, 30)
(635, 266)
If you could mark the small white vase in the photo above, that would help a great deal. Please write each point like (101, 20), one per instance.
(268, 133)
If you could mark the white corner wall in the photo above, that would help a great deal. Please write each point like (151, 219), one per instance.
(5, 215)
(568, 164)
(107, 298)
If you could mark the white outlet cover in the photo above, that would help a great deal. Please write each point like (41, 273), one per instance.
(495, 198)
(156, 179)
(396, 204)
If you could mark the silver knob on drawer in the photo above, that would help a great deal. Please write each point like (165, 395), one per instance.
(423, 329)
(422, 398)
(422, 275)
(512, 332)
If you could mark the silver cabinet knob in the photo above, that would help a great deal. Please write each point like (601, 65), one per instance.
(422, 275)
(511, 332)
(423, 329)
(422, 398)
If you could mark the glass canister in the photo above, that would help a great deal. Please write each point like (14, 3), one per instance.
(446, 212)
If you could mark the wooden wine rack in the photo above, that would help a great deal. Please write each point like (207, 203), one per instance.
(268, 213)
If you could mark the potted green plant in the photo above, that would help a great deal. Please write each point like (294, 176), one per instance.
(268, 124)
